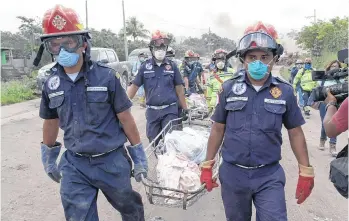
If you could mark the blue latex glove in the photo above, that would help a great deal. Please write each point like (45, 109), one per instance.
(140, 161)
(49, 157)
(187, 92)
(184, 115)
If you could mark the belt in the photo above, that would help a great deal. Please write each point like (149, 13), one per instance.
(160, 107)
(254, 167)
(95, 155)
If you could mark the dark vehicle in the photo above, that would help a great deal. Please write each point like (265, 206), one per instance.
(105, 55)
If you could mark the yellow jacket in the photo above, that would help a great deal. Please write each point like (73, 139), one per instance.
(213, 85)
(306, 81)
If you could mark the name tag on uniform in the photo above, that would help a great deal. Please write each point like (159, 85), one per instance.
(270, 101)
(146, 72)
(169, 72)
(58, 93)
(97, 89)
(231, 99)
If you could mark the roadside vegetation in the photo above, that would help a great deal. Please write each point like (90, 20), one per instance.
(19, 90)
(321, 40)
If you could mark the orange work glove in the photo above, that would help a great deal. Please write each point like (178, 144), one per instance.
(305, 183)
(206, 175)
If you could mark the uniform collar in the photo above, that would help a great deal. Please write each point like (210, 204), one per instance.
(87, 66)
(270, 80)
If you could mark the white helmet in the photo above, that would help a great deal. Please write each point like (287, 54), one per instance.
(299, 61)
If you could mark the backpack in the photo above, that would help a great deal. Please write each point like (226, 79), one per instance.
(339, 172)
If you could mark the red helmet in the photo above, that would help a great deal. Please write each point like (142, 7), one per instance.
(259, 36)
(159, 38)
(219, 54)
(197, 55)
(60, 21)
(260, 27)
(189, 54)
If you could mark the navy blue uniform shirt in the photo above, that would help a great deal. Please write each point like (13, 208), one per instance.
(86, 108)
(159, 82)
(253, 120)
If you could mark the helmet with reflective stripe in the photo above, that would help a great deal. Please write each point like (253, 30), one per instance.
(219, 54)
(259, 36)
(61, 21)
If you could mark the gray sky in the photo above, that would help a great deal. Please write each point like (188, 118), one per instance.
(184, 17)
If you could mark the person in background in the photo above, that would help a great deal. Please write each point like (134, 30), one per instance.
(220, 74)
(190, 71)
(321, 106)
(306, 84)
(163, 87)
(141, 58)
(294, 70)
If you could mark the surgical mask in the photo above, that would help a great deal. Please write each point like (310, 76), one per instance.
(257, 70)
(220, 65)
(67, 59)
(160, 54)
(307, 66)
(141, 59)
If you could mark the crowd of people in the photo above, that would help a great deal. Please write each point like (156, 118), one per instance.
(86, 100)
(301, 78)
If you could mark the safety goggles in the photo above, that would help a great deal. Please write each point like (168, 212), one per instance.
(160, 42)
(220, 56)
(257, 40)
(69, 43)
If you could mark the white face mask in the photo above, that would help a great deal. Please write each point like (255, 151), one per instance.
(220, 65)
(160, 54)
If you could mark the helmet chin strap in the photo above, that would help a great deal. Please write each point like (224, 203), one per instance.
(38, 57)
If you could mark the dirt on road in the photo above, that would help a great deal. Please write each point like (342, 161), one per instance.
(29, 195)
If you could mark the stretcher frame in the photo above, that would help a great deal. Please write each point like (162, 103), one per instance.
(154, 190)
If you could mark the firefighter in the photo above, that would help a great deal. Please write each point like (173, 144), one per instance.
(163, 87)
(252, 108)
(86, 100)
(218, 75)
(304, 76)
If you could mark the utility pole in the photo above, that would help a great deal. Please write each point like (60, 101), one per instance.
(313, 16)
(86, 13)
(125, 38)
(209, 44)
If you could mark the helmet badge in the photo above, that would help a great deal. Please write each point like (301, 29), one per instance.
(59, 22)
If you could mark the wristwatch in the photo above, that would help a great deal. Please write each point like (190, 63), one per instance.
(332, 103)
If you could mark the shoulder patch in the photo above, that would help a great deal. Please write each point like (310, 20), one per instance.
(103, 65)
(106, 66)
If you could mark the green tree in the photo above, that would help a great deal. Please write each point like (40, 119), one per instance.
(323, 36)
(135, 28)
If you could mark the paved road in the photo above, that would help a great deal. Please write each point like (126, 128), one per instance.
(28, 194)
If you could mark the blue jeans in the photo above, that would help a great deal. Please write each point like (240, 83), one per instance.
(300, 96)
(322, 109)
